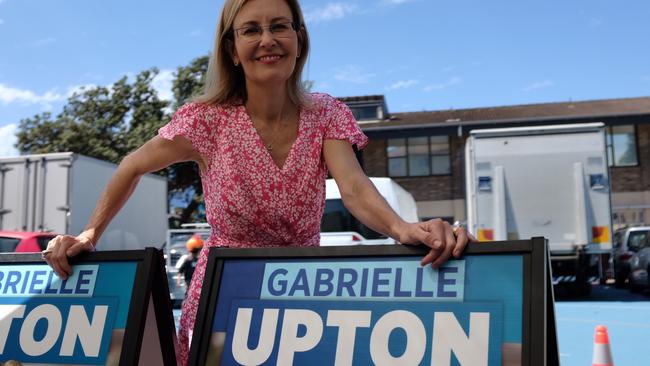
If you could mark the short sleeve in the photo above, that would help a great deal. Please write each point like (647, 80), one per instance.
(341, 124)
(192, 122)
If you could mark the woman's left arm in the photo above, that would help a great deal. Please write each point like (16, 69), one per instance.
(363, 200)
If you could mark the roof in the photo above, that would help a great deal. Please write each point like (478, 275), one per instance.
(362, 98)
(521, 113)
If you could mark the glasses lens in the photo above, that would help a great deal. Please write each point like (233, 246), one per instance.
(250, 33)
(282, 30)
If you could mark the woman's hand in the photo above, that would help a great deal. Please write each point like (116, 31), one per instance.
(63, 246)
(443, 239)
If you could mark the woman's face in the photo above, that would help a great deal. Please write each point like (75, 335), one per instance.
(269, 57)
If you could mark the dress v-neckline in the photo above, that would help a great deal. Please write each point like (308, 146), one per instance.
(262, 146)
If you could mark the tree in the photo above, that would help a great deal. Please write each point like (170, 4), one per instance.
(102, 122)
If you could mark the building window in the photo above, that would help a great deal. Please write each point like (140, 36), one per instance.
(365, 113)
(418, 156)
(621, 145)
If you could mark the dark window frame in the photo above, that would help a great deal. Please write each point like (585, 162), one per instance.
(430, 155)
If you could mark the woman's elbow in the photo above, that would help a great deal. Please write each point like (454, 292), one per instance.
(130, 167)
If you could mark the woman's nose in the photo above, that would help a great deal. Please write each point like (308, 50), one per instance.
(267, 38)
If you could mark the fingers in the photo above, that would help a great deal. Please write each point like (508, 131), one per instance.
(59, 249)
(462, 238)
(439, 237)
(450, 244)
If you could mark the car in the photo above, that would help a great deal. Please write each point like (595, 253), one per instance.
(639, 269)
(24, 241)
(627, 242)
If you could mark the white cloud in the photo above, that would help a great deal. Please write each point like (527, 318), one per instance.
(448, 69)
(195, 33)
(2, 21)
(8, 139)
(9, 95)
(163, 84)
(645, 78)
(402, 84)
(353, 74)
(451, 82)
(539, 85)
(330, 11)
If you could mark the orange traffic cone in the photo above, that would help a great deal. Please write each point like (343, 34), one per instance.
(602, 354)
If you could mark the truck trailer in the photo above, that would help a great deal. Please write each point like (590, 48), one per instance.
(549, 181)
(57, 193)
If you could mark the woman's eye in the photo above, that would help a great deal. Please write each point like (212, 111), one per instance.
(249, 31)
(279, 27)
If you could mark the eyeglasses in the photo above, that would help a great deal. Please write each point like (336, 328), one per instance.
(253, 33)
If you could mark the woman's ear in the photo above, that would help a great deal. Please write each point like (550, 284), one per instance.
(232, 51)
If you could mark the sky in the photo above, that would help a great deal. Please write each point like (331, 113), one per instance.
(420, 54)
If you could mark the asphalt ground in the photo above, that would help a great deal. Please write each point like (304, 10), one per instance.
(625, 314)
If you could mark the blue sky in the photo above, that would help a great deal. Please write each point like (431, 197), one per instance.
(421, 54)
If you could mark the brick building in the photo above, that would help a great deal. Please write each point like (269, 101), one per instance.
(424, 151)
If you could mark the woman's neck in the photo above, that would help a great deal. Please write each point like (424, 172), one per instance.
(268, 103)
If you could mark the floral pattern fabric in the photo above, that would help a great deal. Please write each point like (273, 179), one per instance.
(249, 200)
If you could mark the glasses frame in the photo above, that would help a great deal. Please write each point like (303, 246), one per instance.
(234, 32)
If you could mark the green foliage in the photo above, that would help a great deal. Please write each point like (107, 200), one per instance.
(189, 80)
(102, 122)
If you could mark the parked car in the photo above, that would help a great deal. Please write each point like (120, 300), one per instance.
(639, 269)
(627, 242)
(23, 241)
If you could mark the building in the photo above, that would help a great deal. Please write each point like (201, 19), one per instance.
(424, 151)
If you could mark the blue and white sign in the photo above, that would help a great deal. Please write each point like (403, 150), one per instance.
(81, 320)
(363, 311)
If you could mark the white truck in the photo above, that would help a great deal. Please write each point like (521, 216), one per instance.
(339, 227)
(58, 192)
(549, 181)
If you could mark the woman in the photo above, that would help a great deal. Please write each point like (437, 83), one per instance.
(264, 147)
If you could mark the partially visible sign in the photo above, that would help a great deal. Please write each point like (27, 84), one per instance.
(362, 306)
(81, 320)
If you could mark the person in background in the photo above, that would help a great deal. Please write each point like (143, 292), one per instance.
(264, 147)
(187, 262)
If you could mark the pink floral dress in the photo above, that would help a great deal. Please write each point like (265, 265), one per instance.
(249, 200)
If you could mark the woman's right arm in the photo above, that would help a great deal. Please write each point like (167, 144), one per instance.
(156, 154)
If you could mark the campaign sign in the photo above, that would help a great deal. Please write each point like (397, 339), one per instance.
(94, 317)
(349, 306)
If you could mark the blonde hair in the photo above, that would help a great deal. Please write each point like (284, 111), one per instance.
(225, 83)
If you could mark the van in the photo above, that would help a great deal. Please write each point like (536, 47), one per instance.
(339, 227)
